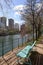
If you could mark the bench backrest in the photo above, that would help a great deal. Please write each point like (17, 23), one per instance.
(25, 52)
(33, 44)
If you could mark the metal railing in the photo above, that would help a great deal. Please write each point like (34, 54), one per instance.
(6, 46)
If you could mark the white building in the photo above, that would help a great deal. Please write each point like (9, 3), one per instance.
(16, 26)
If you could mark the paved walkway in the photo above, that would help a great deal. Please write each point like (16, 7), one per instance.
(10, 58)
(39, 47)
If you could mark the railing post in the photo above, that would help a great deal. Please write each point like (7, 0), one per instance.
(12, 44)
(2, 48)
(18, 42)
(25, 39)
(22, 41)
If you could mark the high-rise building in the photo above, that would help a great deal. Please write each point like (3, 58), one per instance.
(16, 26)
(23, 29)
(3, 22)
(11, 24)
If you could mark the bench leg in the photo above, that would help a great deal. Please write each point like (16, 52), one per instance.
(30, 61)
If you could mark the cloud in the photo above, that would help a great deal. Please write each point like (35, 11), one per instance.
(38, 5)
(19, 22)
(19, 12)
(19, 7)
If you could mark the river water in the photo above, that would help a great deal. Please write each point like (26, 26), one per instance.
(9, 42)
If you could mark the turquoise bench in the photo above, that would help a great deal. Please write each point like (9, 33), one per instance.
(25, 53)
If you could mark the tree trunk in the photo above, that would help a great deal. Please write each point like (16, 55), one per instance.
(36, 35)
(33, 33)
(39, 28)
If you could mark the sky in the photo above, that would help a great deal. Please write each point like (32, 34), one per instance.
(12, 12)
(11, 9)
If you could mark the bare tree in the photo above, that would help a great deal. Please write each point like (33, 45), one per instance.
(32, 14)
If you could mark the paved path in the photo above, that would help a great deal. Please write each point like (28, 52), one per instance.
(39, 47)
(10, 58)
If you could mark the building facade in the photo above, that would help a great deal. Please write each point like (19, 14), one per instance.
(23, 29)
(16, 26)
(11, 24)
(3, 23)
